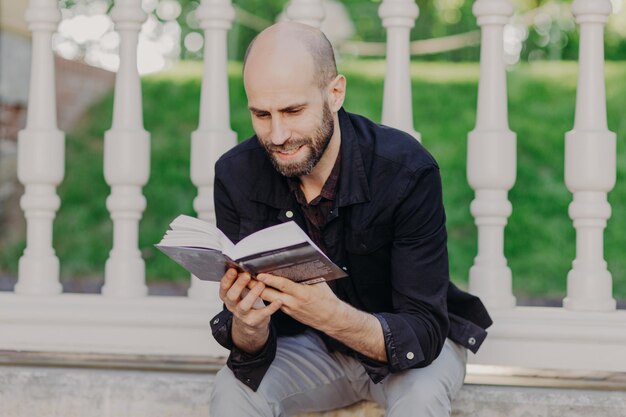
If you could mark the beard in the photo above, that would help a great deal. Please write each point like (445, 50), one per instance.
(316, 146)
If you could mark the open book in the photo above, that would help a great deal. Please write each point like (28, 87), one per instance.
(283, 250)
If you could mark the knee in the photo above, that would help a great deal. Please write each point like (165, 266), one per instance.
(227, 392)
(415, 392)
(230, 397)
(433, 399)
(224, 383)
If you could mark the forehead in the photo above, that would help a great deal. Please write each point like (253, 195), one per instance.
(278, 76)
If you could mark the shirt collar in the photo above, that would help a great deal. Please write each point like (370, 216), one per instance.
(328, 191)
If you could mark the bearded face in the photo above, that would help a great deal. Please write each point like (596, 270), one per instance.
(298, 155)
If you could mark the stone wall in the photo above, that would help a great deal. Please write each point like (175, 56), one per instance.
(27, 391)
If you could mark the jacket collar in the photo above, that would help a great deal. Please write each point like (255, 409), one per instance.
(353, 187)
(274, 190)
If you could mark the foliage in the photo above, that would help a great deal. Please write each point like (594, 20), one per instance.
(551, 34)
(539, 241)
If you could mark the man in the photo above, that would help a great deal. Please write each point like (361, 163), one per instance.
(370, 197)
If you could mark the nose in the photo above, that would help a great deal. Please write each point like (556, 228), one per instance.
(280, 132)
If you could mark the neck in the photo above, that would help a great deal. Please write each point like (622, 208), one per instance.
(313, 183)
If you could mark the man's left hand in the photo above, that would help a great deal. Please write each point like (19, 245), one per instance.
(315, 305)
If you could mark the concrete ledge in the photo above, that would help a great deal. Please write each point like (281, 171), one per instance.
(53, 391)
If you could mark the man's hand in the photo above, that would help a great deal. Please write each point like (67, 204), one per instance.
(250, 325)
(317, 306)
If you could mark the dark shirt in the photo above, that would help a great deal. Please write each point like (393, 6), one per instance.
(386, 229)
(318, 212)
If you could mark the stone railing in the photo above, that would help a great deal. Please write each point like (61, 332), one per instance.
(587, 333)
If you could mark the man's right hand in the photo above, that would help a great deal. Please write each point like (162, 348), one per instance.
(250, 328)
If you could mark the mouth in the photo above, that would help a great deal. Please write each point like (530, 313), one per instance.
(286, 154)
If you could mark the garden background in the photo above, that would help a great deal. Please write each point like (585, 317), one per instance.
(542, 71)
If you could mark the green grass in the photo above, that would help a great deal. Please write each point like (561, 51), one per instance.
(540, 239)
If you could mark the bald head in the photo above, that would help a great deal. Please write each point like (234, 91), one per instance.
(288, 42)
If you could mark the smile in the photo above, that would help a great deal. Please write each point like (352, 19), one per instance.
(287, 154)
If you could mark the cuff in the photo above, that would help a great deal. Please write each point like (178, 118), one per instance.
(377, 371)
(402, 345)
(250, 368)
(221, 326)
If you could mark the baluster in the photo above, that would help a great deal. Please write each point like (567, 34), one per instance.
(398, 17)
(126, 161)
(491, 160)
(590, 163)
(309, 12)
(214, 135)
(41, 158)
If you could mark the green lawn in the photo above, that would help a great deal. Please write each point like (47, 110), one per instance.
(539, 238)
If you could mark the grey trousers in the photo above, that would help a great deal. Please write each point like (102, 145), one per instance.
(305, 377)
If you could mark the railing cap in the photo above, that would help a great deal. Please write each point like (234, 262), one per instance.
(48, 15)
(128, 13)
(583, 7)
(592, 11)
(307, 12)
(215, 14)
(394, 9)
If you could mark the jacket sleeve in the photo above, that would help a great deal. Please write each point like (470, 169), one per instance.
(248, 368)
(416, 329)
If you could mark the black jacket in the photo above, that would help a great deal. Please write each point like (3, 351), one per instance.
(388, 232)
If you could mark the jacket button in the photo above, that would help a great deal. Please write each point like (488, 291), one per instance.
(410, 355)
(345, 268)
(289, 214)
(216, 321)
(471, 341)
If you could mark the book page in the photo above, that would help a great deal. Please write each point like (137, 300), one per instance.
(191, 232)
(275, 237)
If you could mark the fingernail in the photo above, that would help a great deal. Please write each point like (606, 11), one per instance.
(260, 277)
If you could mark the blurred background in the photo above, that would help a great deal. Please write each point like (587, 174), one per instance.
(540, 46)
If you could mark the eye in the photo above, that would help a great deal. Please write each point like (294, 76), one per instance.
(294, 111)
(261, 115)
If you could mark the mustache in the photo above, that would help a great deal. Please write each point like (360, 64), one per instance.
(288, 146)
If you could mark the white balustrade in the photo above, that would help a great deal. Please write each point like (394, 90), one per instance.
(41, 158)
(214, 135)
(590, 158)
(309, 12)
(491, 160)
(566, 338)
(398, 17)
(126, 161)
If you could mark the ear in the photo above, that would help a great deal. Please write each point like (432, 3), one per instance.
(336, 93)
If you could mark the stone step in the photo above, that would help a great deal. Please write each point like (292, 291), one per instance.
(36, 385)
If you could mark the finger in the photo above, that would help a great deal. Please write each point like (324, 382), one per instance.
(272, 308)
(280, 283)
(254, 282)
(258, 316)
(248, 301)
(234, 293)
(272, 295)
(227, 281)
